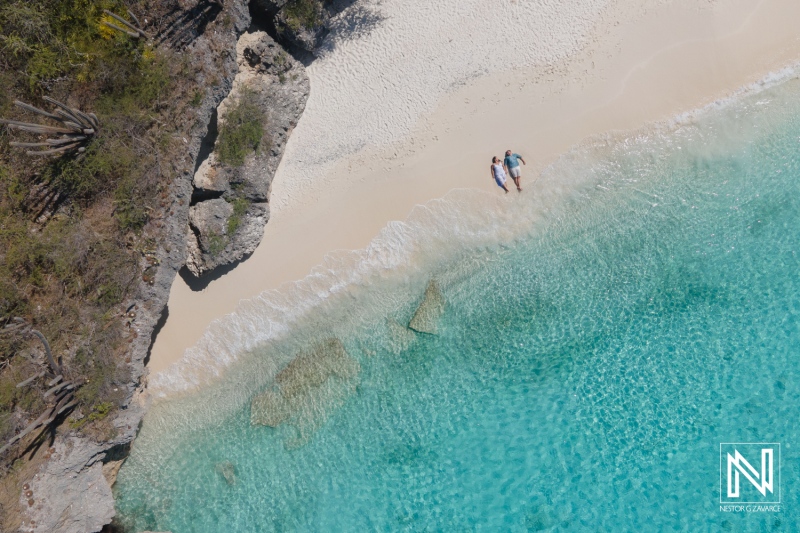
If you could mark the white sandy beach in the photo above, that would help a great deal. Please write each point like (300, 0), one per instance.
(416, 106)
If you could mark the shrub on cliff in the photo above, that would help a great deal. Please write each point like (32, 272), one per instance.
(302, 14)
(242, 130)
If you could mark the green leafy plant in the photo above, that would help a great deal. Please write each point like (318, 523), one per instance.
(72, 230)
(242, 130)
(197, 99)
(303, 14)
(216, 243)
(240, 206)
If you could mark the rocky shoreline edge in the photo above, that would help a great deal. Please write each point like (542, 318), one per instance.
(72, 488)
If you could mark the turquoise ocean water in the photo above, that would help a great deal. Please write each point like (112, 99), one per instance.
(584, 375)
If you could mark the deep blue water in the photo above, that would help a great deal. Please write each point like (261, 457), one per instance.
(583, 377)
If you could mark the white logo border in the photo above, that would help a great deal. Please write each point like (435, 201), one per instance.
(721, 469)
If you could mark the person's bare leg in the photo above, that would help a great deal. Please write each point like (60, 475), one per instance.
(516, 182)
(505, 188)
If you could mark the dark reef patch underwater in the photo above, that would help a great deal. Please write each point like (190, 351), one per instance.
(582, 376)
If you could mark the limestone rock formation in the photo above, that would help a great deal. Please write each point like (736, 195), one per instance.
(209, 221)
(67, 498)
(72, 490)
(304, 34)
(307, 38)
(278, 87)
(208, 180)
(426, 318)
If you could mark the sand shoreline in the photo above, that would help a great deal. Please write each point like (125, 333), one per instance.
(637, 70)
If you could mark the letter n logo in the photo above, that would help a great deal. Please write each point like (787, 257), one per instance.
(749, 472)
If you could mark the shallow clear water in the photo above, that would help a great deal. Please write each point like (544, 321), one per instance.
(583, 377)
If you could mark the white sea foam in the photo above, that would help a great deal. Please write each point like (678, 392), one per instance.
(373, 90)
(769, 81)
(464, 219)
(434, 233)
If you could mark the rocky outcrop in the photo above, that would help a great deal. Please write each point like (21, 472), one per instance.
(300, 24)
(71, 492)
(278, 87)
(210, 218)
(305, 37)
(89, 494)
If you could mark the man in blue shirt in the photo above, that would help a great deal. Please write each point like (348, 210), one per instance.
(511, 164)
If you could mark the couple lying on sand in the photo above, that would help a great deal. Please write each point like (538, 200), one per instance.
(510, 166)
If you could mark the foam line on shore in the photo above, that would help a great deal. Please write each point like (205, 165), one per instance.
(665, 51)
(464, 221)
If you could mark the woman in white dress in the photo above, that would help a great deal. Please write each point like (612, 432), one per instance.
(498, 173)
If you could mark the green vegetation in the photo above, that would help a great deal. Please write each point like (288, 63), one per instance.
(101, 411)
(242, 130)
(197, 99)
(282, 60)
(73, 231)
(216, 243)
(303, 14)
(240, 206)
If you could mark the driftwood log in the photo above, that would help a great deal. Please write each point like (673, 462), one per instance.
(133, 30)
(74, 131)
(61, 391)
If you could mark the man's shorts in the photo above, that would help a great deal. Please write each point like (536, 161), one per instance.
(515, 172)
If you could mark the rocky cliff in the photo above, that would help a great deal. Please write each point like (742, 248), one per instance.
(71, 492)
(215, 215)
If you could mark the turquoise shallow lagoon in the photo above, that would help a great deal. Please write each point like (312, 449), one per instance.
(583, 378)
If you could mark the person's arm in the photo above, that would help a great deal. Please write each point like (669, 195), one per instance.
(491, 172)
(520, 158)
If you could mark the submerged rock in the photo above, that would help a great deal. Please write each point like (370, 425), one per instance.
(400, 337)
(227, 470)
(312, 369)
(541, 519)
(426, 318)
(305, 394)
(269, 409)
